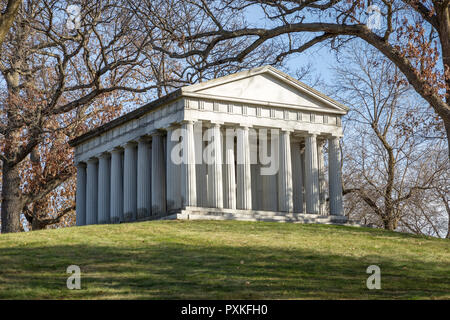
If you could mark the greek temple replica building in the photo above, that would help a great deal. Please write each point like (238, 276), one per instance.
(255, 145)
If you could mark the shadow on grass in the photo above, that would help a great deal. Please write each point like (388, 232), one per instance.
(182, 271)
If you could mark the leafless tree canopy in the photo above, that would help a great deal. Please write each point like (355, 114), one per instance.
(58, 82)
(413, 34)
(394, 176)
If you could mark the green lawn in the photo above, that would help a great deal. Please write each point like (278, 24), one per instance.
(222, 260)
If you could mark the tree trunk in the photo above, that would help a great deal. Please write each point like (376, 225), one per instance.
(389, 223)
(11, 199)
(7, 17)
(447, 131)
(448, 229)
(37, 225)
(443, 14)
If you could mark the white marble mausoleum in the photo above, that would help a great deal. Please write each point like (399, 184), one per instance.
(248, 146)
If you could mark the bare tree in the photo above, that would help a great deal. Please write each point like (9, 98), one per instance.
(389, 166)
(58, 83)
(413, 34)
(7, 16)
(427, 212)
(62, 79)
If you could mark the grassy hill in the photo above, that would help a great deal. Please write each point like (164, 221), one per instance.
(222, 260)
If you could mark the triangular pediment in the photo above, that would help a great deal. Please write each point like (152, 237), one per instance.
(266, 85)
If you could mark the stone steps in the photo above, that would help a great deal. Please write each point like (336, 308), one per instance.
(249, 215)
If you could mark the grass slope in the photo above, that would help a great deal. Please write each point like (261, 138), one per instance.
(222, 260)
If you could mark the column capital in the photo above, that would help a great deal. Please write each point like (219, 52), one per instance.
(172, 126)
(286, 130)
(130, 143)
(92, 160)
(157, 132)
(213, 123)
(104, 155)
(312, 133)
(244, 126)
(81, 164)
(321, 142)
(144, 138)
(188, 121)
(116, 150)
(217, 123)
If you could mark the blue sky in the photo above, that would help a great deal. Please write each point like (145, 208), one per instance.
(320, 57)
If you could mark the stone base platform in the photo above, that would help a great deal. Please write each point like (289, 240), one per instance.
(197, 213)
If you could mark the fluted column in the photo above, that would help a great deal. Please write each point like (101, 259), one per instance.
(215, 168)
(285, 199)
(158, 175)
(335, 182)
(81, 194)
(256, 183)
(144, 201)
(297, 177)
(321, 168)
(201, 166)
(104, 188)
(92, 191)
(188, 176)
(311, 175)
(244, 184)
(173, 168)
(302, 155)
(229, 170)
(270, 181)
(130, 182)
(116, 186)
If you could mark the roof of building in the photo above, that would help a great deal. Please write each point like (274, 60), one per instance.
(195, 89)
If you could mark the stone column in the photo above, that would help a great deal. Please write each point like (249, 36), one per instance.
(215, 168)
(297, 177)
(173, 180)
(285, 198)
(201, 167)
(321, 168)
(302, 155)
(144, 201)
(130, 182)
(81, 194)
(256, 184)
(259, 187)
(92, 191)
(116, 186)
(229, 170)
(158, 175)
(244, 184)
(270, 181)
(254, 169)
(311, 175)
(335, 183)
(104, 188)
(188, 176)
